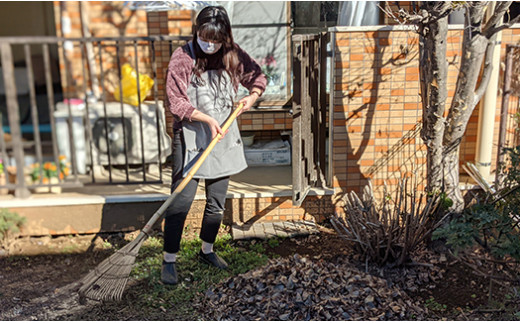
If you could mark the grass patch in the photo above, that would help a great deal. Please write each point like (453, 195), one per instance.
(194, 277)
(273, 242)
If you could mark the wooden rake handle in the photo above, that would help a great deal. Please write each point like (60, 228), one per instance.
(148, 226)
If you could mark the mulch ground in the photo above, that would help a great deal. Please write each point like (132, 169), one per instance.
(39, 284)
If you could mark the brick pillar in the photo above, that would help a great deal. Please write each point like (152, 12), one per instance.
(157, 23)
(173, 22)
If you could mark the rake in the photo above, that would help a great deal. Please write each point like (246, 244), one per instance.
(108, 280)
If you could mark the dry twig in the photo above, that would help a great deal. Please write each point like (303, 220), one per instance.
(388, 232)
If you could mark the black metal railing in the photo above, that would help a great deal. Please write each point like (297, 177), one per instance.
(62, 105)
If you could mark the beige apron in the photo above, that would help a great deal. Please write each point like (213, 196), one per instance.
(213, 95)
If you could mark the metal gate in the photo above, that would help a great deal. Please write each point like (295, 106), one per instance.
(309, 113)
(509, 135)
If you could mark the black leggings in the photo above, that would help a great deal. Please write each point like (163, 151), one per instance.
(216, 190)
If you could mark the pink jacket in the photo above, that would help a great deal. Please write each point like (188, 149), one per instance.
(179, 77)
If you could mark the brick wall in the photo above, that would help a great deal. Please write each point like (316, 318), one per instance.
(377, 106)
(262, 120)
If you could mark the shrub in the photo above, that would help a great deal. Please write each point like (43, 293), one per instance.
(491, 226)
(389, 231)
(490, 229)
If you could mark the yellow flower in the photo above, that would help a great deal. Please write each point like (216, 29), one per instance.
(47, 166)
(62, 157)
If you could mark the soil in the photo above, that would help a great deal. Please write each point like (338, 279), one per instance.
(38, 280)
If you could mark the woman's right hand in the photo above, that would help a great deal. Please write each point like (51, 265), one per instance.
(213, 124)
(215, 128)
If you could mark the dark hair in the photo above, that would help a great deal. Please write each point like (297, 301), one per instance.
(212, 23)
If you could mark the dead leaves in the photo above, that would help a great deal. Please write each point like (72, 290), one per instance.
(298, 288)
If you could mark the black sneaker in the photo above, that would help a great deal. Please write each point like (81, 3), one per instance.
(168, 273)
(213, 259)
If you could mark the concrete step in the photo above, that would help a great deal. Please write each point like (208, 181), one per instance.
(268, 230)
(74, 214)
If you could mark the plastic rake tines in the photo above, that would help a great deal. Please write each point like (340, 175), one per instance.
(108, 280)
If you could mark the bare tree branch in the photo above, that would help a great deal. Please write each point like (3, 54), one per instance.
(430, 12)
(441, 9)
(488, 68)
(498, 15)
(390, 14)
(504, 26)
(433, 71)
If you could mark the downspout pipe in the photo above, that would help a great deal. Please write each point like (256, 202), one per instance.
(487, 111)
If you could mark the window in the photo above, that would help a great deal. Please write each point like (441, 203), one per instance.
(262, 29)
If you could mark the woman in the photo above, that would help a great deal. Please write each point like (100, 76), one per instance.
(203, 78)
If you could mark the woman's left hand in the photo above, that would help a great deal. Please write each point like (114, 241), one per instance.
(248, 102)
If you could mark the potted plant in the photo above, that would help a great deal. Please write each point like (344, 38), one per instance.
(50, 174)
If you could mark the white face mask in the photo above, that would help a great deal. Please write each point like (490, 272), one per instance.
(207, 47)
